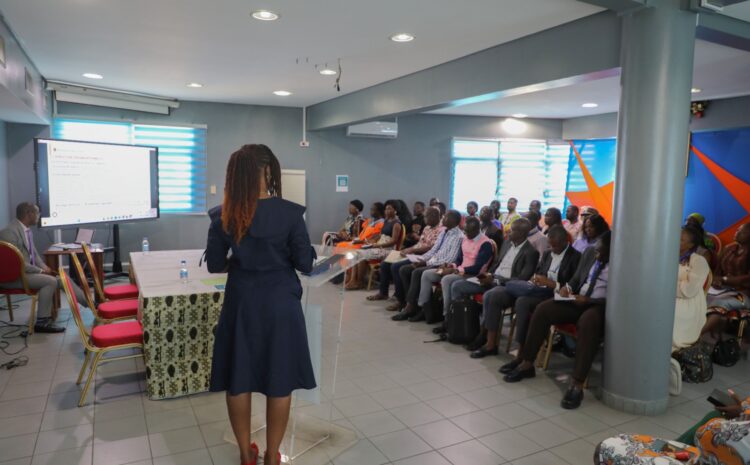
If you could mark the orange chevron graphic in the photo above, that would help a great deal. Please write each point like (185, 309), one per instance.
(737, 188)
(599, 197)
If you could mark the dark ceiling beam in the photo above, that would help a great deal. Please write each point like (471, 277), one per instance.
(618, 6)
(581, 50)
(723, 30)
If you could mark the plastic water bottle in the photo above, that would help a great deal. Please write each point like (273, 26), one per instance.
(144, 245)
(183, 272)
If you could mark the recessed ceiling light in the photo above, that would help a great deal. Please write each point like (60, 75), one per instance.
(696, 90)
(590, 105)
(93, 76)
(520, 115)
(282, 93)
(402, 37)
(265, 15)
(328, 72)
(195, 85)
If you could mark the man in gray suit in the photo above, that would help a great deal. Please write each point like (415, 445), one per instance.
(38, 274)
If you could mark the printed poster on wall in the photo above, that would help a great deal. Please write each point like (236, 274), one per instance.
(342, 183)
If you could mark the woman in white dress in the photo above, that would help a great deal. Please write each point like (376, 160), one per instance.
(690, 308)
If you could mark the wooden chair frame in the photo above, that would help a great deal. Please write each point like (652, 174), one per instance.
(89, 347)
(98, 286)
(26, 289)
(87, 292)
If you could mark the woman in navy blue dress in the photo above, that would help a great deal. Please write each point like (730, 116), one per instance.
(261, 342)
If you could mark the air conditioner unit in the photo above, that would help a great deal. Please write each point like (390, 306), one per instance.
(376, 129)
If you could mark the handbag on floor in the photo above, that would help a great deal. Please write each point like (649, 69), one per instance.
(695, 363)
(462, 321)
(726, 352)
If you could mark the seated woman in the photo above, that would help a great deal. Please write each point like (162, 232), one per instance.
(690, 307)
(370, 228)
(698, 220)
(388, 239)
(351, 227)
(593, 227)
(721, 437)
(731, 283)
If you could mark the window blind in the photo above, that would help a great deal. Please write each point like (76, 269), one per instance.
(182, 156)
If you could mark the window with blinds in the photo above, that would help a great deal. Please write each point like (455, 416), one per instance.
(484, 170)
(182, 156)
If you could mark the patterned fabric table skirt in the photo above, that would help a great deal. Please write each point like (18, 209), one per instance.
(178, 336)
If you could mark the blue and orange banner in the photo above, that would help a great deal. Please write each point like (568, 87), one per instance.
(591, 175)
(718, 181)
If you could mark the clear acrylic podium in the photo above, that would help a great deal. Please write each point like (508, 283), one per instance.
(312, 437)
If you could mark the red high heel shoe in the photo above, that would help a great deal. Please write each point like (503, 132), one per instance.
(254, 448)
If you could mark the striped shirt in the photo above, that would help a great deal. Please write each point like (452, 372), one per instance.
(446, 248)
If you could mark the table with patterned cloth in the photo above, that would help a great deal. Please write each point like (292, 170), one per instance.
(178, 320)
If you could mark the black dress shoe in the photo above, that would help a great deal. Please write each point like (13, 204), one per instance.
(419, 316)
(509, 367)
(573, 398)
(478, 342)
(517, 375)
(483, 352)
(402, 315)
(49, 328)
(440, 329)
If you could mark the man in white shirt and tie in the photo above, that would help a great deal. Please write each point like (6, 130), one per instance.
(38, 275)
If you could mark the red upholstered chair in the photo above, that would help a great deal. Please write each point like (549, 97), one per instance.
(12, 269)
(102, 339)
(109, 311)
(114, 292)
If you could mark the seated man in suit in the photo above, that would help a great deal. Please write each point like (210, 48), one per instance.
(517, 260)
(38, 275)
(554, 270)
(588, 288)
(536, 238)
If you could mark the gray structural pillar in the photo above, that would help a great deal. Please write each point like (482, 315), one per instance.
(653, 125)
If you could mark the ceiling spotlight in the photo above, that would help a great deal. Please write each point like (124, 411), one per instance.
(282, 93)
(93, 76)
(265, 15)
(590, 105)
(328, 72)
(696, 90)
(520, 115)
(402, 37)
(195, 85)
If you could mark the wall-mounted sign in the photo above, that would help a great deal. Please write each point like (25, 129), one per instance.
(342, 183)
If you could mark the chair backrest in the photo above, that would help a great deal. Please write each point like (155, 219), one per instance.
(12, 266)
(94, 273)
(402, 239)
(75, 263)
(74, 308)
(716, 241)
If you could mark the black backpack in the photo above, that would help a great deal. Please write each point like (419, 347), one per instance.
(726, 352)
(433, 310)
(462, 321)
(695, 363)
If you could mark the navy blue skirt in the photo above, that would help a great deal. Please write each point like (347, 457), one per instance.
(261, 340)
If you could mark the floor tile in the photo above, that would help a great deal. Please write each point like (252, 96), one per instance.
(513, 414)
(213, 433)
(391, 398)
(19, 426)
(124, 428)
(55, 419)
(510, 444)
(132, 406)
(376, 424)
(176, 441)
(25, 390)
(546, 405)
(540, 458)
(122, 452)
(196, 457)
(674, 421)
(357, 405)
(479, 424)
(578, 423)
(82, 456)
(416, 414)
(362, 453)
(546, 433)
(430, 458)
(451, 406)
(23, 461)
(14, 408)
(170, 419)
(647, 426)
(209, 413)
(441, 434)
(64, 438)
(400, 444)
(429, 390)
(471, 453)
(18, 446)
(575, 452)
(225, 454)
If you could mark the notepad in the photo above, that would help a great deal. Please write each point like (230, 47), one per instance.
(560, 298)
(474, 280)
(393, 257)
(414, 258)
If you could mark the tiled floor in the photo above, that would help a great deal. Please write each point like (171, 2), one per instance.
(411, 403)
